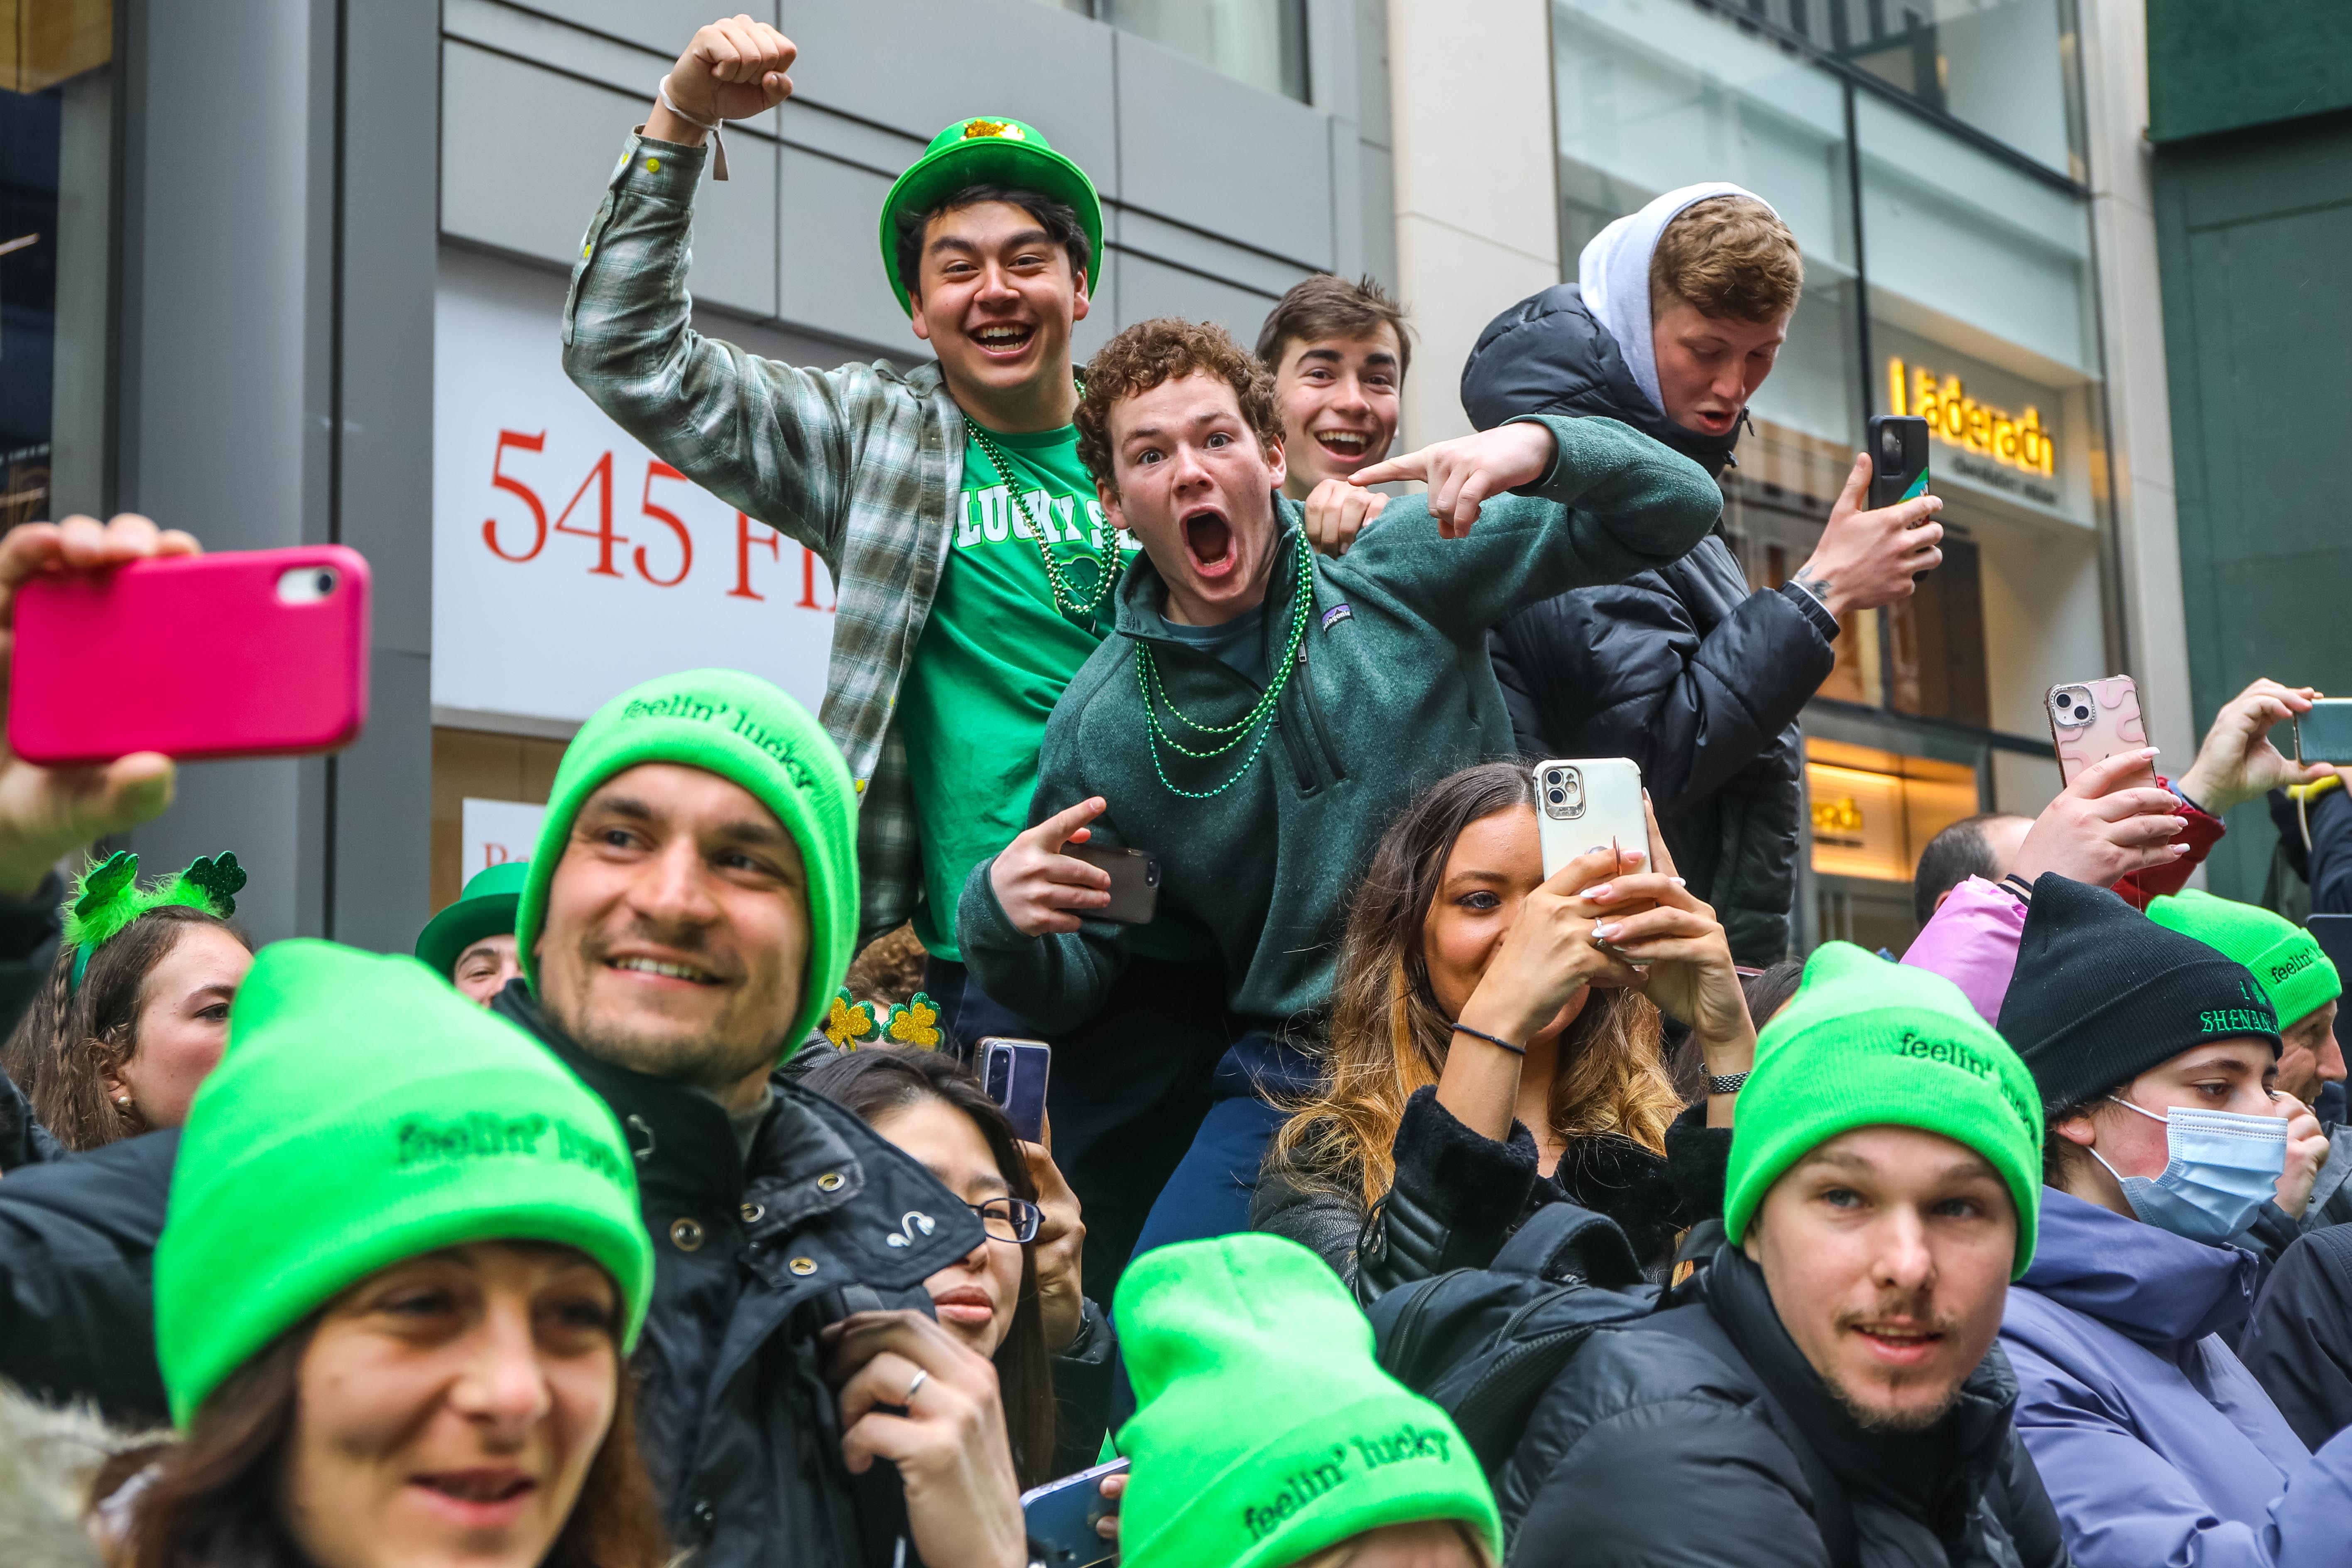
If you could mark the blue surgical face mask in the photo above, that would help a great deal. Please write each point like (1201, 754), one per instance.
(2221, 1167)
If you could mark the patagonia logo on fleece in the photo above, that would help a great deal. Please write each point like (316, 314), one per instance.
(1335, 615)
(484, 1135)
(1337, 1466)
(685, 705)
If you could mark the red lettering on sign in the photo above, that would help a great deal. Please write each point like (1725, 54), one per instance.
(743, 542)
(516, 487)
(808, 582)
(601, 476)
(660, 471)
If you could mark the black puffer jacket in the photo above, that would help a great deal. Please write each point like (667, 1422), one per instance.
(1682, 669)
(1671, 1442)
(1458, 1197)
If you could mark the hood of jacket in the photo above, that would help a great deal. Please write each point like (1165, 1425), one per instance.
(2146, 1283)
(1549, 355)
(47, 1460)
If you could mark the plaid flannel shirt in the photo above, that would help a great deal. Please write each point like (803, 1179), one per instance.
(859, 464)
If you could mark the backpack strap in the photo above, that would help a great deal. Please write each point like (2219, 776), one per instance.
(1561, 1241)
(1832, 1509)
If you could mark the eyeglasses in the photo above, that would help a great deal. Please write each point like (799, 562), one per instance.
(1010, 1219)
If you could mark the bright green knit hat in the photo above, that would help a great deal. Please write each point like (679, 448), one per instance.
(747, 733)
(2283, 955)
(1264, 1429)
(1867, 1043)
(364, 1113)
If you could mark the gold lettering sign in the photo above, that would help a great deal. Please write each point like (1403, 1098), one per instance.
(1957, 419)
(1838, 818)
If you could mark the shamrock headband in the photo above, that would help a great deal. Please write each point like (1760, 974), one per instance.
(107, 899)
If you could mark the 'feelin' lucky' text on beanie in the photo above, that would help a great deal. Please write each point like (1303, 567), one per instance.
(753, 735)
(1264, 1431)
(2285, 959)
(364, 1113)
(2102, 993)
(1865, 1043)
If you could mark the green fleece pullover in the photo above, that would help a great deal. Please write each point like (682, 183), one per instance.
(1393, 690)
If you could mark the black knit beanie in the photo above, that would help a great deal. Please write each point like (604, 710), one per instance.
(2102, 993)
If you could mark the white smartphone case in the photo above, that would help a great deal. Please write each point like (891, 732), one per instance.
(1584, 802)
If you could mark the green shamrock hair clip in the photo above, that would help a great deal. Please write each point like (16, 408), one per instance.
(915, 1022)
(107, 899)
(849, 1023)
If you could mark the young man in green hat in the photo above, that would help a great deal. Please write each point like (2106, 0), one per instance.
(472, 942)
(2303, 985)
(686, 914)
(971, 559)
(1265, 710)
(1826, 1376)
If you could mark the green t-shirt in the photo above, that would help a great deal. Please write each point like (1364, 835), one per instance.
(994, 657)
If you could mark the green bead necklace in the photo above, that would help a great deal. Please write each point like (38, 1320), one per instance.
(1261, 713)
(1106, 573)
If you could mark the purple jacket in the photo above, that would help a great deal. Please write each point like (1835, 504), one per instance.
(1972, 943)
(2157, 1446)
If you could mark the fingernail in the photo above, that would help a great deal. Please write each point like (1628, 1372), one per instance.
(1677, 882)
(1603, 892)
(1606, 932)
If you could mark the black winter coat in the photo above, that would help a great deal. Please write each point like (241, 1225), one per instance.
(1682, 669)
(1668, 1444)
(29, 948)
(1459, 1197)
(751, 1259)
(2298, 1342)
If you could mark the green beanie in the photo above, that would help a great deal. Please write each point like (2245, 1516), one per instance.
(365, 1113)
(747, 733)
(1867, 1043)
(1264, 1429)
(2285, 958)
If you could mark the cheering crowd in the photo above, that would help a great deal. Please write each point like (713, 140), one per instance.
(1405, 1198)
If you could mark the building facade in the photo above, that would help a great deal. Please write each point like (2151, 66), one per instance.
(303, 265)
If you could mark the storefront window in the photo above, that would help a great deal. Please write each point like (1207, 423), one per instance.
(1873, 811)
(56, 157)
(1261, 42)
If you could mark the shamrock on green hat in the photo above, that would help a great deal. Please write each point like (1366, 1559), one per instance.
(1265, 1429)
(365, 1113)
(486, 908)
(747, 733)
(982, 151)
(2285, 959)
(1865, 1043)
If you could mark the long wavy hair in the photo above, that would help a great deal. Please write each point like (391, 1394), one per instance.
(873, 1082)
(1388, 1035)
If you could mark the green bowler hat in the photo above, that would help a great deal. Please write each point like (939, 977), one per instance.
(487, 908)
(982, 152)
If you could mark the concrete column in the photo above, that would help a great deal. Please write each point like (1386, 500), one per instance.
(2131, 310)
(1477, 202)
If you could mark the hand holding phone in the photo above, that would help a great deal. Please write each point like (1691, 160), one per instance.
(47, 813)
(1013, 1073)
(246, 654)
(1588, 803)
(2091, 721)
(1065, 1519)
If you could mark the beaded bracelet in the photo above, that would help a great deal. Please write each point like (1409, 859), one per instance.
(1490, 1039)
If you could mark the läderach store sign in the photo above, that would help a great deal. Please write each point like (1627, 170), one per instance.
(1993, 431)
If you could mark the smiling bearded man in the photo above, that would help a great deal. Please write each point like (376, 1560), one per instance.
(1265, 710)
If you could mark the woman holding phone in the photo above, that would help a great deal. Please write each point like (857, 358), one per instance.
(421, 1360)
(1494, 1044)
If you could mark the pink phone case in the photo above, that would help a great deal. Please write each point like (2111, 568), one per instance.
(2112, 725)
(195, 657)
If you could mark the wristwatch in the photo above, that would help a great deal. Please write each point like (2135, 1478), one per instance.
(1724, 1083)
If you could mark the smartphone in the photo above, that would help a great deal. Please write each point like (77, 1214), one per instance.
(2091, 721)
(1060, 1517)
(2324, 734)
(1899, 458)
(251, 653)
(1013, 1073)
(1582, 804)
(1134, 881)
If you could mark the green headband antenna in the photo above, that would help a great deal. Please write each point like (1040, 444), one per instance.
(107, 899)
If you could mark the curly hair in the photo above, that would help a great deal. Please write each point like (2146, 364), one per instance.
(1728, 257)
(1161, 350)
(1388, 1035)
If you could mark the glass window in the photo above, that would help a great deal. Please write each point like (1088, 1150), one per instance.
(1261, 42)
(2002, 67)
(56, 157)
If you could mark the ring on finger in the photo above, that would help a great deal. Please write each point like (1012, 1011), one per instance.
(907, 1401)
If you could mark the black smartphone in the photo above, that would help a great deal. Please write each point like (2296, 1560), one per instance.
(1134, 882)
(1061, 1516)
(1013, 1073)
(2324, 734)
(1899, 458)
